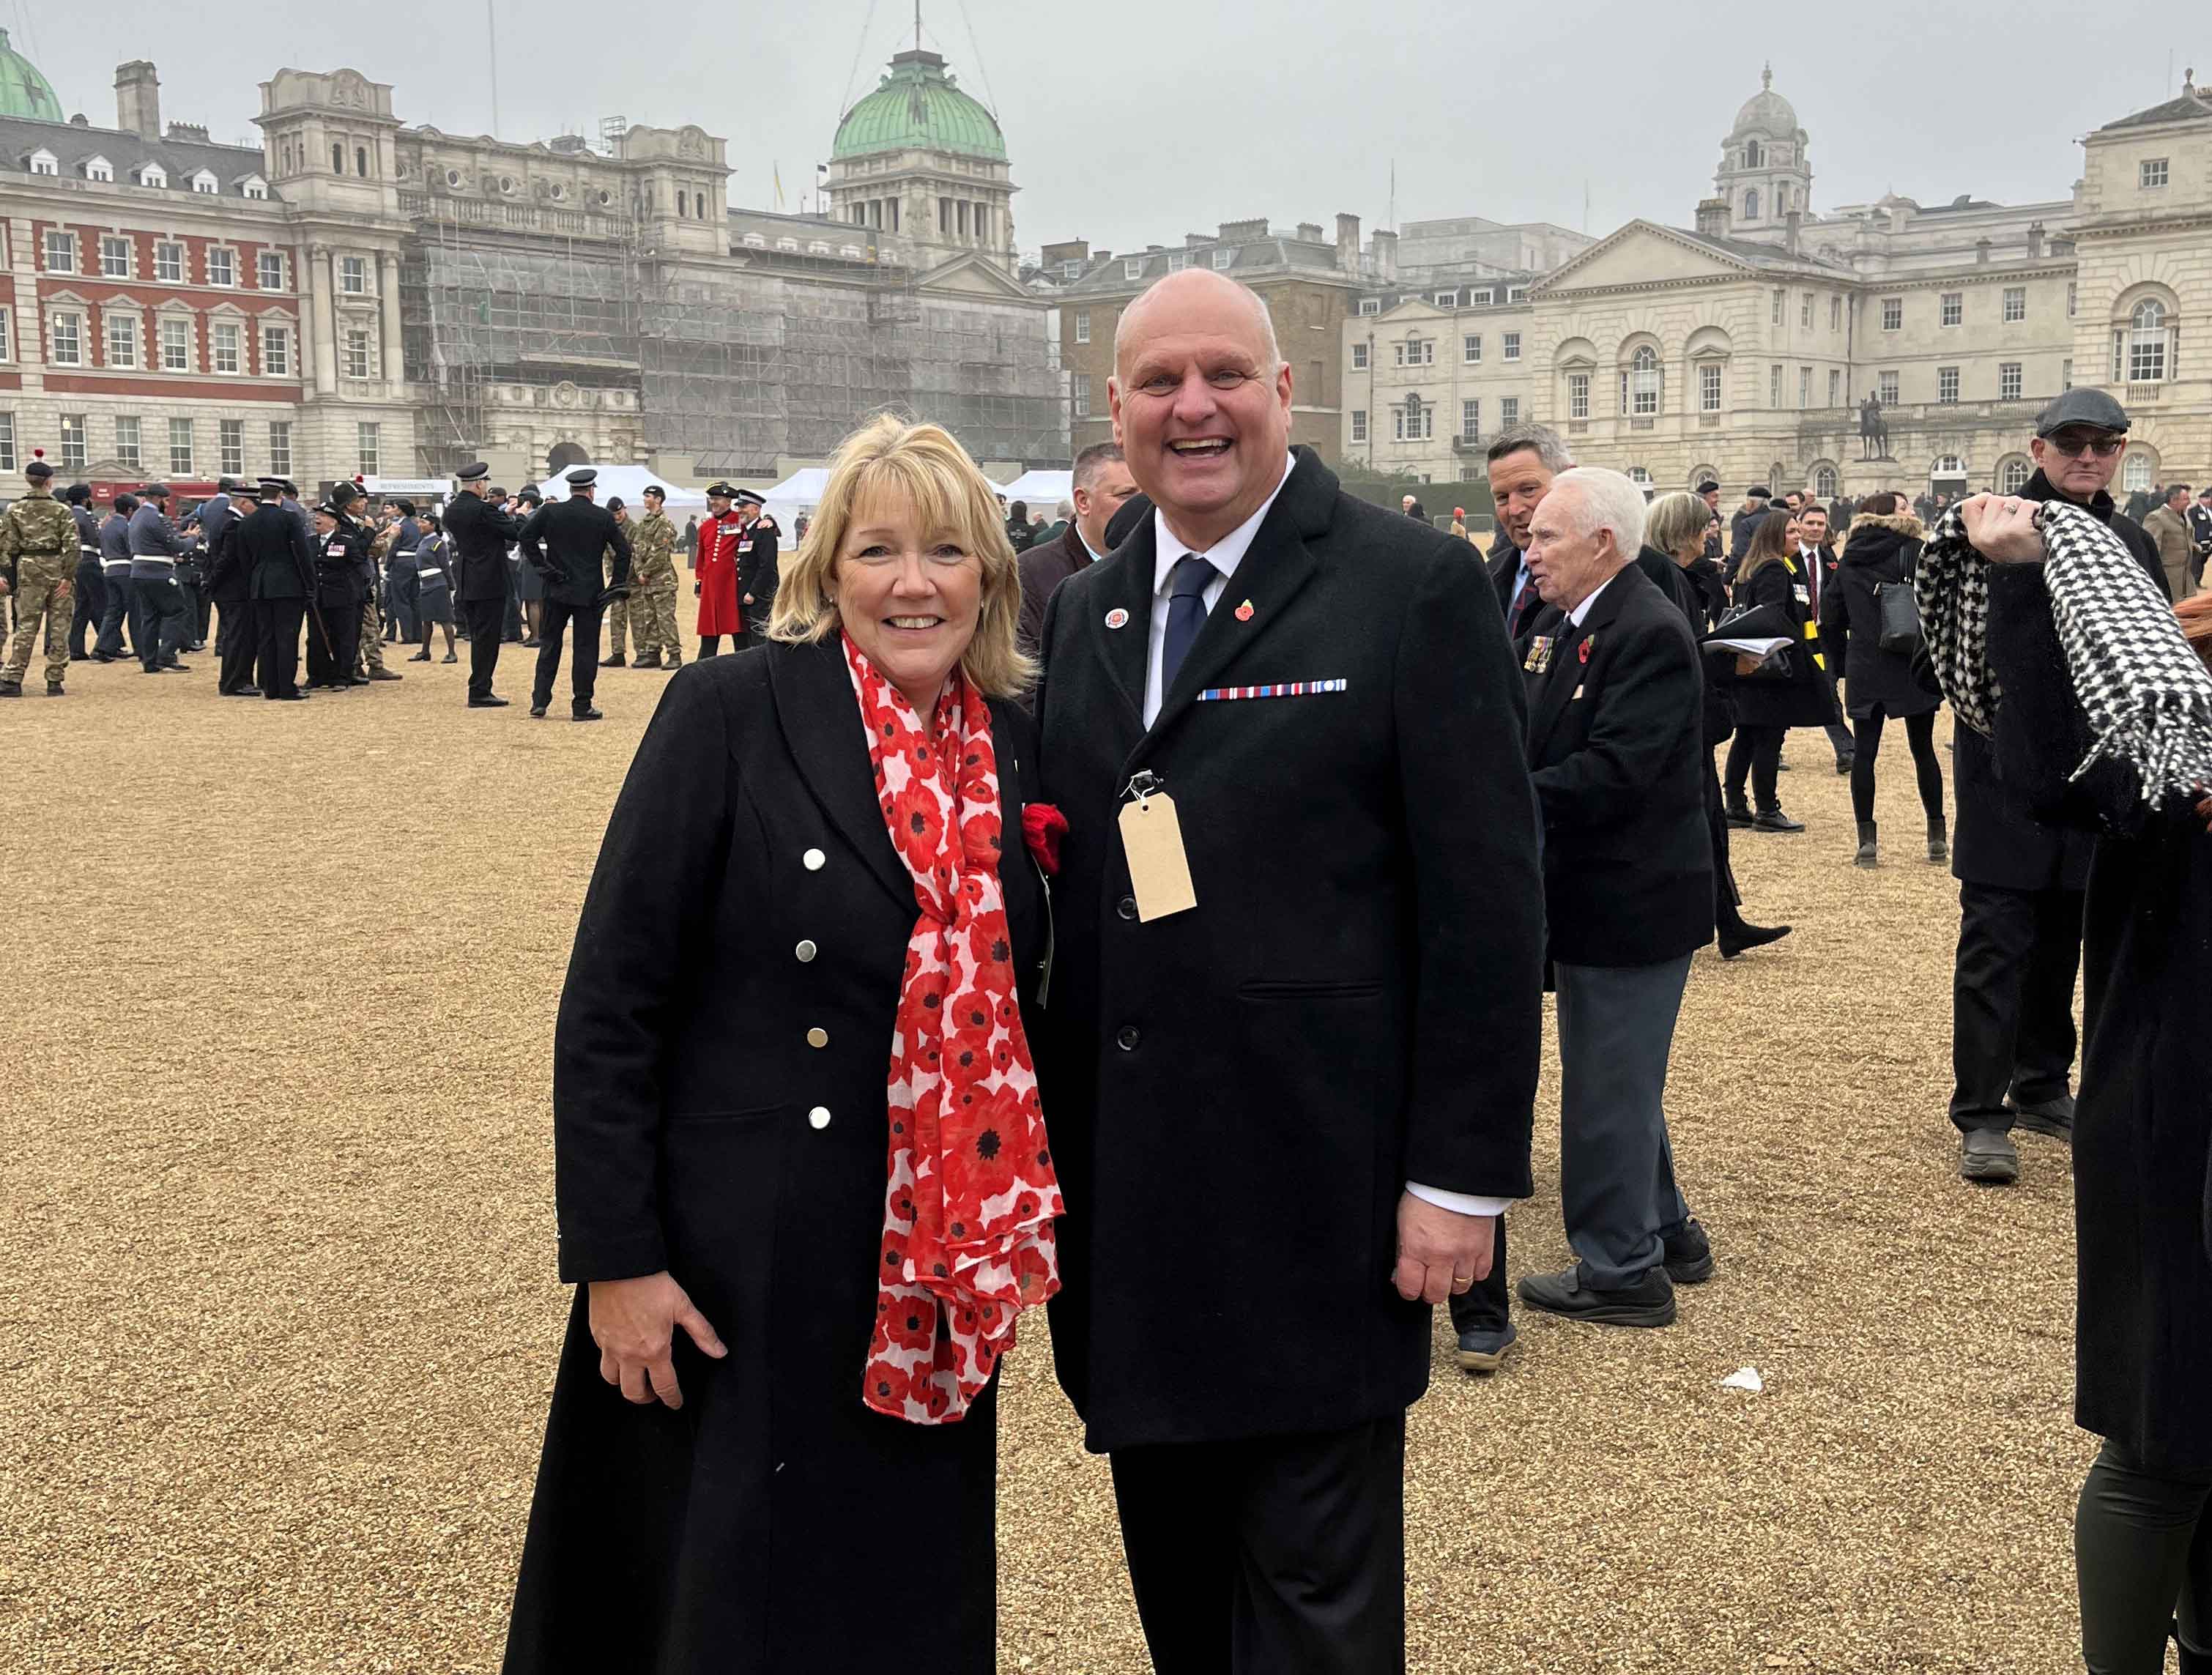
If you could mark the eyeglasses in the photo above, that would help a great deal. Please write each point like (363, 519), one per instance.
(2104, 448)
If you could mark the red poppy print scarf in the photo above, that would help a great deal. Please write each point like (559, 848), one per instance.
(967, 1237)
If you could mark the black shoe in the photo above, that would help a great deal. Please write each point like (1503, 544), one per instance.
(614, 661)
(1987, 1157)
(492, 702)
(1773, 820)
(538, 711)
(1689, 1255)
(1939, 840)
(286, 697)
(1739, 815)
(157, 669)
(449, 657)
(648, 662)
(1843, 765)
(11, 689)
(1870, 846)
(529, 642)
(243, 692)
(79, 657)
(1484, 1351)
(2053, 1116)
(53, 688)
(585, 715)
(1744, 936)
(420, 656)
(176, 668)
(106, 657)
(1649, 1302)
(385, 675)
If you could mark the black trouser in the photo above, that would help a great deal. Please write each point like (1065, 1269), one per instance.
(332, 663)
(583, 654)
(237, 639)
(159, 628)
(199, 610)
(2142, 1556)
(1920, 734)
(483, 617)
(122, 602)
(710, 644)
(1270, 1555)
(277, 634)
(1486, 1305)
(1727, 898)
(90, 604)
(1756, 750)
(2012, 1000)
(1839, 736)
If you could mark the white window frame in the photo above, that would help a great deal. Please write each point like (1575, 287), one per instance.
(73, 445)
(230, 253)
(175, 357)
(353, 276)
(261, 266)
(237, 348)
(1517, 294)
(1579, 395)
(1079, 394)
(1223, 258)
(1805, 312)
(1825, 483)
(121, 328)
(1644, 383)
(1133, 267)
(169, 262)
(182, 448)
(1470, 348)
(1774, 386)
(280, 447)
(74, 355)
(1709, 387)
(1512, 346)
(354, 350)
(1892, 314)
(1470, 418)
(230, 445)
(2152, 174)
(1951, 310)
(2016, 304)
(2013, 475)
(114, 245)
(1946, 387)
(1359, 357)
(42, 162)
(1445, 299)
(1835, 314)
(7, 333)
(1887, 388)
(203, 180)
(368, 445)
(1509, 412)
(1359, 424)
(1177, 263)
(2010, 380)
(60, 242)
(1371, 304)
(1835, 386)
(153, 174)
(130, 443)
(1804, 386)
(1083, 326)
(6, 441)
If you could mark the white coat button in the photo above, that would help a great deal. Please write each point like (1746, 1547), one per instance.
(819, 1116)
(813, 860)
(805, 951)
(817, 1038)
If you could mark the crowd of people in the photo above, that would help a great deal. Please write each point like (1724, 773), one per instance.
(256, 570)
(1191, 880)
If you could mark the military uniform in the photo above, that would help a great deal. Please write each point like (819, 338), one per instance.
(617, 617)
(346, 602)
(371, 637)
(39, 544)
(652, 580)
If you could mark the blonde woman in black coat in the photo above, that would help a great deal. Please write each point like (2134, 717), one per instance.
(1882, 547)
(1767, 707)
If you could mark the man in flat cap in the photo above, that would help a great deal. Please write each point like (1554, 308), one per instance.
(565, 542)
(2021, 882)
(480, 534)
(39, 547)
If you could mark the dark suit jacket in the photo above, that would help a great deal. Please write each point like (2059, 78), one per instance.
(757, 575)
(1043, 568)
(229, 581)
(277, 556)
(479, 533)
(1615, 744)
(1503, 567)
(566, 542)
(1240, 1092)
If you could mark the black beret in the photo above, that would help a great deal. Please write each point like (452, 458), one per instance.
(614, 502)
(155, 491)
(1709, 486)
(78, 493)
(39, 469)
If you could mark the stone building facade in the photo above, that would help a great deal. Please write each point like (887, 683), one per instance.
(1745, 347)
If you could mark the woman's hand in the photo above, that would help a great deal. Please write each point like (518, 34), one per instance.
(2001, 529)
(634, 1322)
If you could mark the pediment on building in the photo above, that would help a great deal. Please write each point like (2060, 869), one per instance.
(1641, 254)
(1414, 311)
(974, 276)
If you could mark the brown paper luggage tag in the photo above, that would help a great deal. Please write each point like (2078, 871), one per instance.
(1151, 841)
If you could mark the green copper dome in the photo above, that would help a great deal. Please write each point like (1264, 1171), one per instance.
(23, 91)
(917, 106)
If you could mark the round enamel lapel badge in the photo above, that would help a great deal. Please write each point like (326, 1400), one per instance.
(1117, 618)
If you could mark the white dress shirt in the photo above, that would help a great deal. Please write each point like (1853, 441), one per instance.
(1583, 609)
(1224, 556)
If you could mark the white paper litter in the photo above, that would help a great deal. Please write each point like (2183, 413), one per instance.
(1744, 1378)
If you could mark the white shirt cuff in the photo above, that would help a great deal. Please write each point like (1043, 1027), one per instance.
(1463, 1204)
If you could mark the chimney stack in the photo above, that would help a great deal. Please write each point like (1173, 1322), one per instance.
(1713, 218)
(1385, 254)
(1347, 244)
(1981, 252)
(138, 99)
(2035, 241)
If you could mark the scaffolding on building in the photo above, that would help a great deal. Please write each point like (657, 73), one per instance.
(739, 369)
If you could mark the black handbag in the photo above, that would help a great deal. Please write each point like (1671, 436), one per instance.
(1897, 611)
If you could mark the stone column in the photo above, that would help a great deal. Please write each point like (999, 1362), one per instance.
(395, 357)
(321, 321)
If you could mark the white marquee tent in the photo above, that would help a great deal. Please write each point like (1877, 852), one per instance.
(627, 483)
(1040, 490)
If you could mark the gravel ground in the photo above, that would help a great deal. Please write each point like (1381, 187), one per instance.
(280, 1318)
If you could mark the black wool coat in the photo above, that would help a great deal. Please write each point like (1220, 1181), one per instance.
(746, 893)
(277, 554)
(757, 575)
(1241, 1091)
(1996, 839)
(2143, 1125)
(1616, 726)
(479, 533)
(566, 542)
(1879, 549)
(1801, 701)
(340, 556)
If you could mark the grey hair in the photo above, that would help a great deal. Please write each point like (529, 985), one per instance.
(1545, 443)
(1093, 459)
(1604, 499)
(1064, 509)
(1671, 520)
(1273, 363)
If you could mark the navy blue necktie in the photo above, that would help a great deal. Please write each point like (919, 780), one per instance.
(1187, 586)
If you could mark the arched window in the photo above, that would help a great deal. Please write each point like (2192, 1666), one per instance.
(1755, 154)
(2136, 472)
(1643, 382)
(360, 162)
(337, 158)
(2012, 475)
(1950, 465)
(1824, 483)
(1750, 204)
(2146, 343)
(680, 198)
(1639, 475)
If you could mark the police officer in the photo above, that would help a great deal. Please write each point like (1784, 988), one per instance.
(91, 585)
(567, 542)
(156, 547)
(37, 560)
(757, 565)
(341, 556)
(273, 545)
(480, 533)
(230, 589)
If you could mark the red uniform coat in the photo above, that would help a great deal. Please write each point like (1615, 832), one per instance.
(719, 612)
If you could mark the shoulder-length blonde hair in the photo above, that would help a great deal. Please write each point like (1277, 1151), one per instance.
(1673, 520)
(950, 497)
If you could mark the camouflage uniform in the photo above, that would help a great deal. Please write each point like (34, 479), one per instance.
(39, 537)
(652, 578)
(617, 619)
(372, 618)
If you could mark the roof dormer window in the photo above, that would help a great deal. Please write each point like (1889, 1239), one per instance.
(253, 186)
(45, 162)
(203, 180)
(153, 174)
(99, 168)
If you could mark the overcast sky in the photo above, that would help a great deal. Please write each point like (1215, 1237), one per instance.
(1138, 122)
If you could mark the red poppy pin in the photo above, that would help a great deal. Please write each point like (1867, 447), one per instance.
(1043, 828)
(1244, 611)
(1583, 651)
